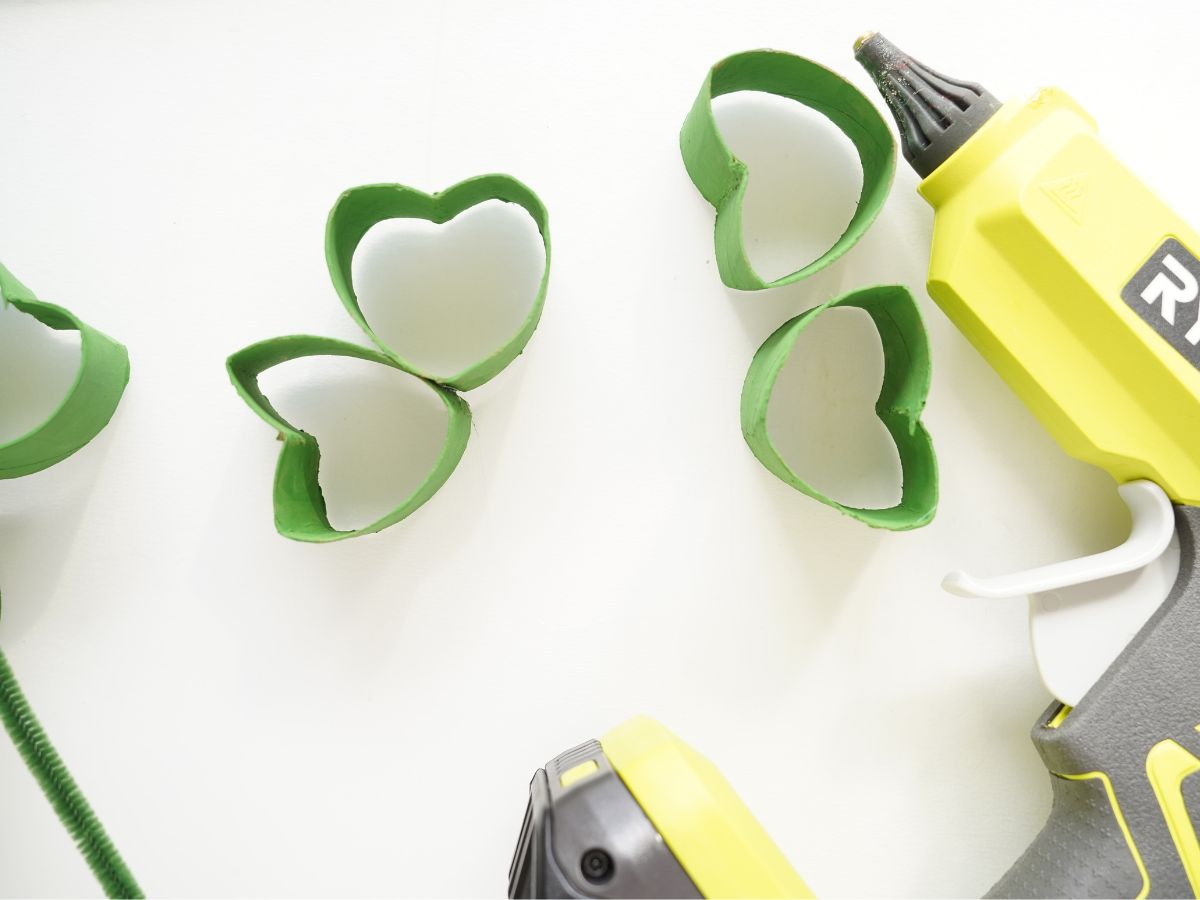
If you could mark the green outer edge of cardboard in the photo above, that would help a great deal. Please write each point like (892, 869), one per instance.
(299, 503)
(358, 209)
(88, 405)
(722, 178)
(906, 377)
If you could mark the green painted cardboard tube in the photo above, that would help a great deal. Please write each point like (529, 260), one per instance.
(906, 375)
(89, 404)
(722, 178)
(299, 503)
(361, 208)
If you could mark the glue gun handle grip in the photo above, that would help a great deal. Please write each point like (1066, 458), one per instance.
(1125, 764)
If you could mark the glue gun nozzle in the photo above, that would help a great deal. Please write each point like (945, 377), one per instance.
(935, 114)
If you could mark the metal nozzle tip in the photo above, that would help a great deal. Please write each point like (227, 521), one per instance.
(875, 52)
(863, 38)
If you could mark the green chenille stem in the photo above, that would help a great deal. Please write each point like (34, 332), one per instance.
(61, 790)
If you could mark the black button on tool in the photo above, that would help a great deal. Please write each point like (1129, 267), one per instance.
(597, 866)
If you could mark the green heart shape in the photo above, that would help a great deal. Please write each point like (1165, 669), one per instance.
(299, 503)
(906, 375)
(88, 405)
(360, 208)
(722, 178)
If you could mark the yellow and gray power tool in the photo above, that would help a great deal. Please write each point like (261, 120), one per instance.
(1082, 289)
(638, 813)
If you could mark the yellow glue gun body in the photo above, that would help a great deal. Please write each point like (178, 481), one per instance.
(1079, 286)
(1082, 289)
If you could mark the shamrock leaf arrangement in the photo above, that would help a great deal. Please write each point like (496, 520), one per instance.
(82, 414)
(300, 512)
(722, 179)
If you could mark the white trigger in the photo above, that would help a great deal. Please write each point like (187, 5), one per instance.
(1083, 612)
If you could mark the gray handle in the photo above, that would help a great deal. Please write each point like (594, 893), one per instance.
(1125, 764)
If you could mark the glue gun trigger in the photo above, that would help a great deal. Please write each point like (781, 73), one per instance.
(1083, 612)
(1153, 527)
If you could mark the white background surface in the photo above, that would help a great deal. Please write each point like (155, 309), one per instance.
(252, 716)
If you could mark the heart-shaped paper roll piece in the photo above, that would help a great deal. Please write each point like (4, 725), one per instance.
(361, 208)
(88, 405)
(299, 503)
(906, 374)
(722, 178)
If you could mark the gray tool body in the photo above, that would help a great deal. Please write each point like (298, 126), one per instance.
(590, 838)
(1150, 695)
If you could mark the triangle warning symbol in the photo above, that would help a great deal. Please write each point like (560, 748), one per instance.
(1070, 193)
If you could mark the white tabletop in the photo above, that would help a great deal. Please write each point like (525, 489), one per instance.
(252, 716)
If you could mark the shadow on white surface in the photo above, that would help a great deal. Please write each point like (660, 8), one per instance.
(952, 729)
(39, 517)
(822, 413)
(380, 430)
(446, 296)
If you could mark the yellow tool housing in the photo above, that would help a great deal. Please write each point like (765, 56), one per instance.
(712, 833)
(1038, 229)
